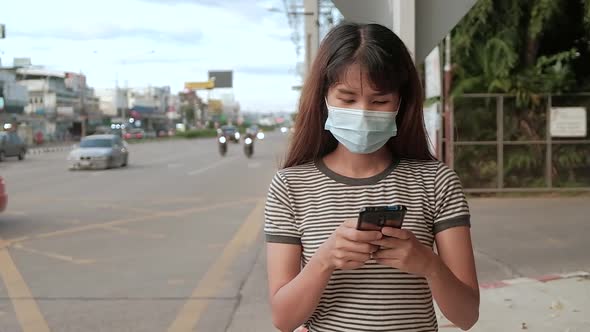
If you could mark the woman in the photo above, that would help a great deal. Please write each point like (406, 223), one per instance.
(360, 141)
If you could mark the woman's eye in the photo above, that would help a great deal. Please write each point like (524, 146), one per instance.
(380, 102)
(347, 101)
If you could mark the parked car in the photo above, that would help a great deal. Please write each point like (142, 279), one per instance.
(3, 195)
(99, 152)
(11, 145)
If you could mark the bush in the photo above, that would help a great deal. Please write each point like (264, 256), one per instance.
(199, 133)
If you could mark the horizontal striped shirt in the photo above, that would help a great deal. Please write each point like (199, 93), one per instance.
(306, 203)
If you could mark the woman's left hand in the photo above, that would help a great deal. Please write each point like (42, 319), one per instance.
(401, 249)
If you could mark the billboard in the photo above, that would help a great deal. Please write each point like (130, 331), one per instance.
(222, 78)
(199, 85)
(22, 62)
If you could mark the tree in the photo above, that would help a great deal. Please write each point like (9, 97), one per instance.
(526, 49)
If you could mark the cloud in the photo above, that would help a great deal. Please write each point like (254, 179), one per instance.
(110, 32)
(246, 8)
(160, 42)
(266, 69)
(161, 60)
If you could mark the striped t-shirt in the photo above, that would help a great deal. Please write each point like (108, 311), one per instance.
(307, 203)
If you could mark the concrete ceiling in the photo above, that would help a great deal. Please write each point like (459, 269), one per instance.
(434, 18)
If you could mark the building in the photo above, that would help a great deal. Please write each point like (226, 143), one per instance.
(174, 106)
(148, 106)
(13, 97)
(62, 99)
(57, 104)
(113, 102)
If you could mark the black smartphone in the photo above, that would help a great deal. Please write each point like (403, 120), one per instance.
(376, 217)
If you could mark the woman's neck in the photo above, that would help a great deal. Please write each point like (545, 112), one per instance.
(358, 166)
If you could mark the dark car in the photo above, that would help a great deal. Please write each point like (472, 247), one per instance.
(231, 133)
(11, 145)
(134, 133)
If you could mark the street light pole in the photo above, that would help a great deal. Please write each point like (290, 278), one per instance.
(82, 87)
(312, 32)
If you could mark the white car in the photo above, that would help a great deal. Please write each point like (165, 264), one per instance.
(99, 152)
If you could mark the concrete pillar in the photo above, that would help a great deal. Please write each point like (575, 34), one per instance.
(404, 23)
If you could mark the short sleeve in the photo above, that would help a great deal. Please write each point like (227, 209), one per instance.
(279, 220)
(451, 208)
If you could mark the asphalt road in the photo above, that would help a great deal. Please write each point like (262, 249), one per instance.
(167, 243)
(163, 244)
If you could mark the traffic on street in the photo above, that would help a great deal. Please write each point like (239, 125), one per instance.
(127, 248)
(294, 165)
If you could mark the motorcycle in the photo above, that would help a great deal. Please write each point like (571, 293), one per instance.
(222, 145)
(249, 146)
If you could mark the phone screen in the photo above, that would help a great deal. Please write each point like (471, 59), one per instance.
(375, 218)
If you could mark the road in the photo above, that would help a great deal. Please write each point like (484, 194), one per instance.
(157, 245)
(168, 243)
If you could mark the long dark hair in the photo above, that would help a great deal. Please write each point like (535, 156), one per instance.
(389, 66)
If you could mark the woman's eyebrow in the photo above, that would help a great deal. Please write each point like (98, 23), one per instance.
(381, 94)
(346, 92)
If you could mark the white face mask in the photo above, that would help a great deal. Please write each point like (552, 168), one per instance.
(361, 131)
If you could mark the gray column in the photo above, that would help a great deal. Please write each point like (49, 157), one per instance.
(404, 23)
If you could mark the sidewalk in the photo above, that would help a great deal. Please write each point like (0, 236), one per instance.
(253, 312)
(556, 303)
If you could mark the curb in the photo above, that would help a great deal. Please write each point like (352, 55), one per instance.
(41, 150)
(540, 279)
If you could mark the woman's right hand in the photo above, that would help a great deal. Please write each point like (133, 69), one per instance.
(348, 248)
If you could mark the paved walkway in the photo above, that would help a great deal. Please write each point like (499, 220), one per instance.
(518, 241)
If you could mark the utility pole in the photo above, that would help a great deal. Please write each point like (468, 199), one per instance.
(83, 115)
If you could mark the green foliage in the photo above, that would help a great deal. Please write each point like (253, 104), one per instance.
(509, 47)
(541, 14)
(188, 113)
(199, 133)
(586, 4)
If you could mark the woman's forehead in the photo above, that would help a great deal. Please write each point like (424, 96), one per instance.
(355, 79)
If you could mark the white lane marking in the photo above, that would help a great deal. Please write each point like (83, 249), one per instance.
(54, 255)
(211, 166)
(15, 213)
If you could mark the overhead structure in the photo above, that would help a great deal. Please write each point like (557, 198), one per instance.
(421, 24)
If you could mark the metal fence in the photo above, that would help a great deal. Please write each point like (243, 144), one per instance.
(498, 147)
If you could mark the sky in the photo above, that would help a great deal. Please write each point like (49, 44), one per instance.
(160, 42)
